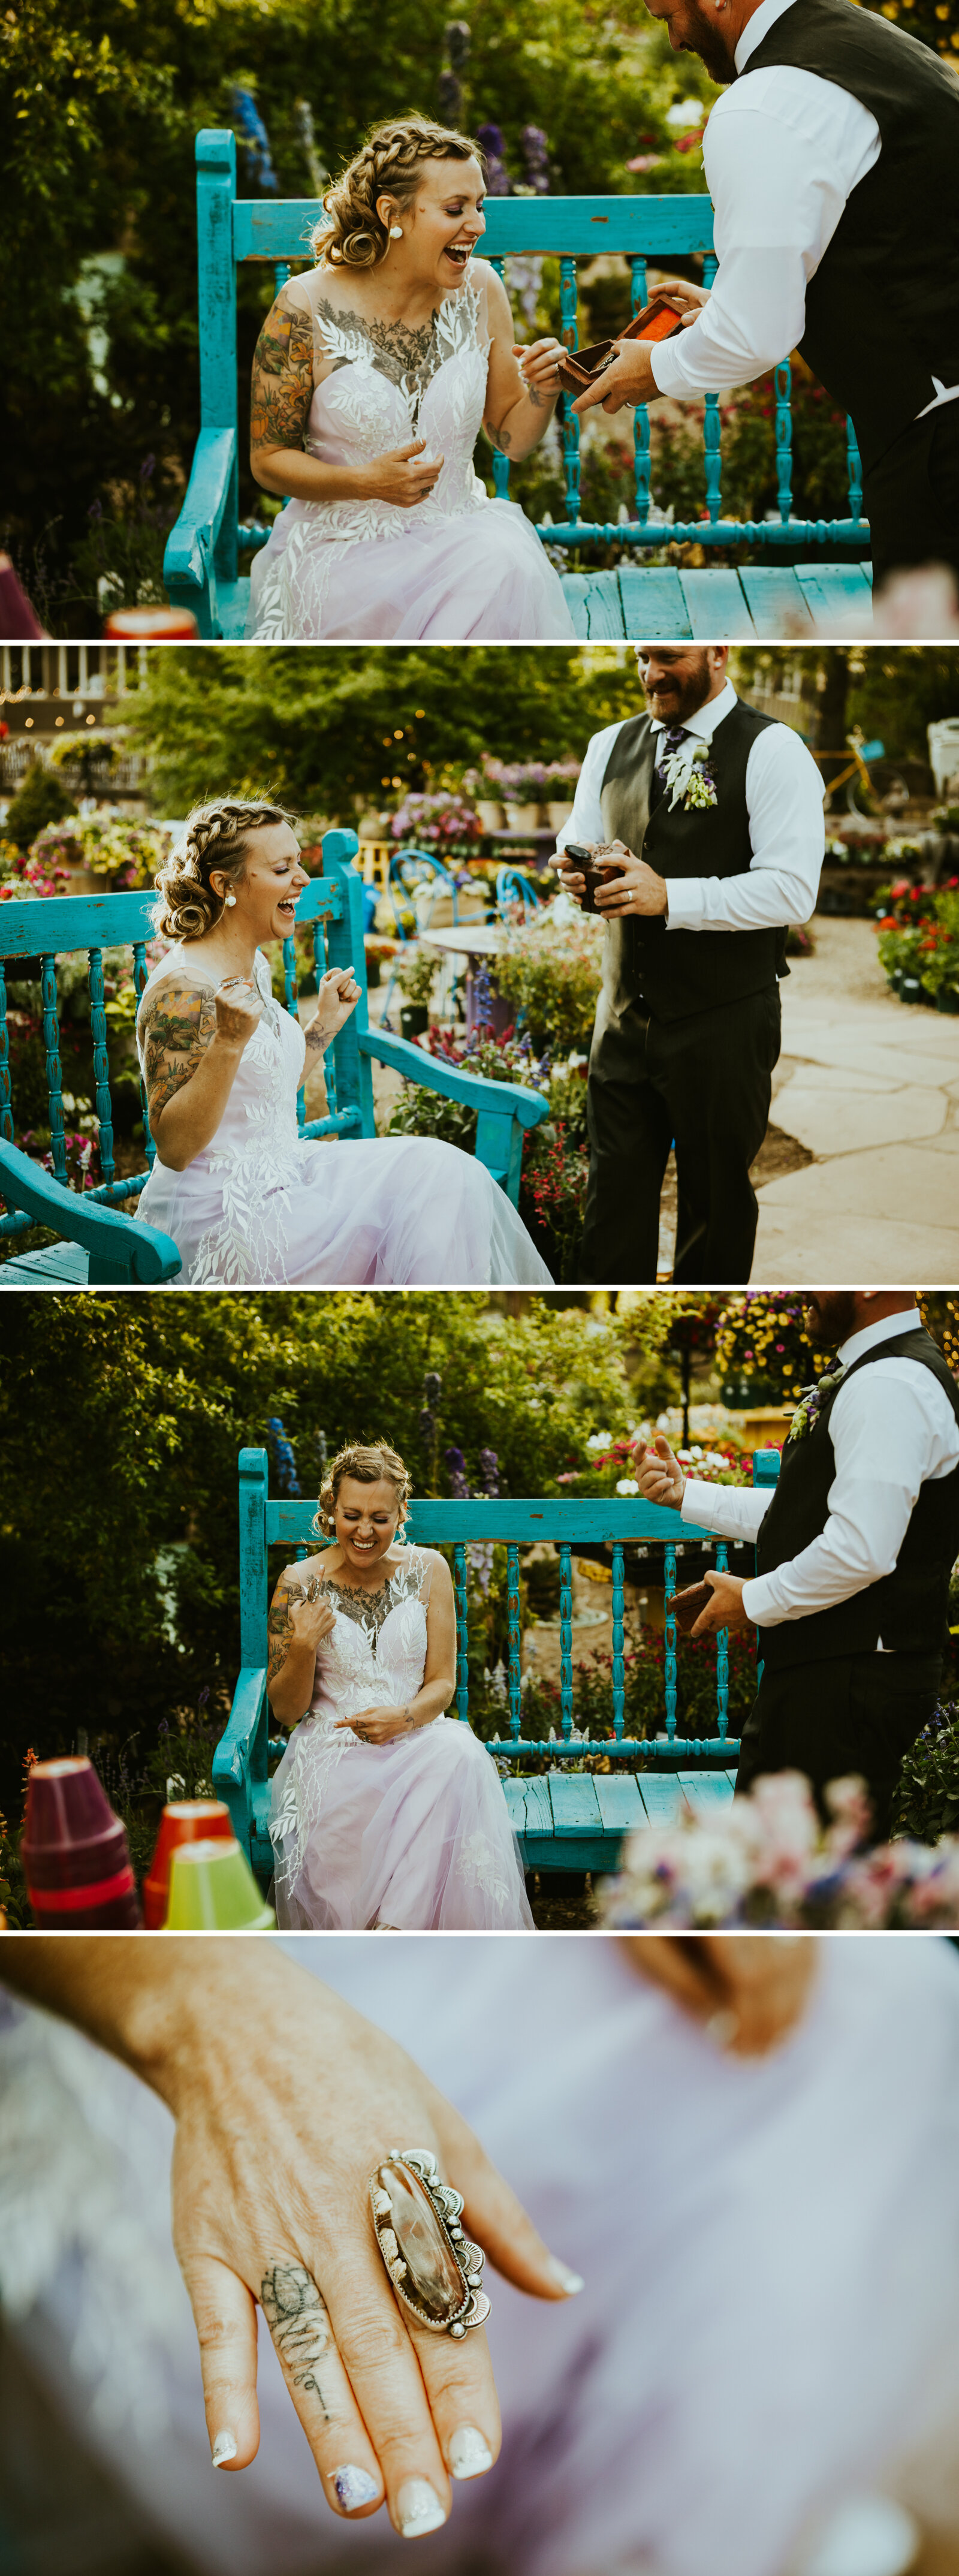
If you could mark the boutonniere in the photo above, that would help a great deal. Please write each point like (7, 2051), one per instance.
(810, 1403)
(688, 776)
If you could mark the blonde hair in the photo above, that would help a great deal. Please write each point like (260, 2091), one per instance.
(216, 836)
(388, 164)
(368, 1466)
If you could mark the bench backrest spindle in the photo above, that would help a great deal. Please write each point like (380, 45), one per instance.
(6, 1113)
(566, 1641)
(51, 1041)
(101, 1065)
(669, 1633)
(619, 1669)
(462, 1634)
(514, 1675)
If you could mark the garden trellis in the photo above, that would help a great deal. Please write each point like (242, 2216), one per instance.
(571, 1822)
(764, 599)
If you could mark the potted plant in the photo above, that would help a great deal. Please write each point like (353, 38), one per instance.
(415, 979)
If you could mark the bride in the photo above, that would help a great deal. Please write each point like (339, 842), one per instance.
(386, 1816)
(371, 380)
(247, 1202)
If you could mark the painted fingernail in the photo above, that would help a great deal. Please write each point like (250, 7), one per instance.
(567, 2280)
(353, 2487)
(224, 2449)
(418, 2508)
(469, 2454)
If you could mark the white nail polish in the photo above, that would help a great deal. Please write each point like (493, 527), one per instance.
(418, 2508)
(567, 2280)
(469, 2454)
(353, 2487)
(224, 2449)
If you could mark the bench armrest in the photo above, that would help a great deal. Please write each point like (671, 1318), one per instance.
(120, 1249)
(473, 1089)
(188, 563)
(240, 1759)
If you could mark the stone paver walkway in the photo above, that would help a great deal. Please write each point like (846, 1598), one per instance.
(871, 1087)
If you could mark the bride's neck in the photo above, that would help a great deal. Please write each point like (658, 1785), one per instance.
(230, 950)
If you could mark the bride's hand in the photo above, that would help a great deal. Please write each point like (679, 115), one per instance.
(311, 1615)
(239, 1007)
(539, 362)
(404, 476)
(379, 1725)
(749, 1993)
(286, 2100)
(337, 994)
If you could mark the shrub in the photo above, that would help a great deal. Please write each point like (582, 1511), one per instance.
(41, 799)
(550, 971)
(926, 1802)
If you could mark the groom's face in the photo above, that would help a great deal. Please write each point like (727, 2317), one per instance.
(676, 682)
(694, 30)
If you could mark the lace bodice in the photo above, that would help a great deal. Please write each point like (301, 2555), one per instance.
(375, 1654)
(360, 412)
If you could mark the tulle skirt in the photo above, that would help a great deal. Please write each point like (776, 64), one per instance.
(413, 1834)
(483, 574)
(393, 1212)
(770, 2250)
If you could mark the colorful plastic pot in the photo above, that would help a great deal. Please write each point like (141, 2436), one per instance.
(74, 1852)
(189, 1820)
(212, 1889)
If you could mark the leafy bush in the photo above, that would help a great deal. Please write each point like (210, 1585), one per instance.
(550, 970)
(43, 798)
(926, 1802)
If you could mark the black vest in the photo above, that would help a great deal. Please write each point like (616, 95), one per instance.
(908, 1608)
(882, 312)
(674, 972)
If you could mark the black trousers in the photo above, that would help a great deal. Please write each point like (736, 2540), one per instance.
(847, 1713)
(911, 498)
(705, 1082)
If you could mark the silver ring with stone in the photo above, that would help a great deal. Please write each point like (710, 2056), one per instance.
(434, 2269)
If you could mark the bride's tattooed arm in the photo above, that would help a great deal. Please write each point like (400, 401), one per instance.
(282, 386)
(177, 1022)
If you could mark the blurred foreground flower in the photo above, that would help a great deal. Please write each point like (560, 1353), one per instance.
(766, 1861)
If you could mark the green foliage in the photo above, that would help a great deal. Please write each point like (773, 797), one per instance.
(551, 976)
(43, 798)
(926, 946)
(926, 1801)
(312, 723)
(120, 1423)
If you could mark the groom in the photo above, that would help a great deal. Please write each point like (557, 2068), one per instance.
(718, 814)
(833, 166)
(854, 1551)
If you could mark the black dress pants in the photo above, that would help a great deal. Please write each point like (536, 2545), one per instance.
(705, 1082)
(847, 1713)
(911, 498)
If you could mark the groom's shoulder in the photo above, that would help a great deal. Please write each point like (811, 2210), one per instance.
(603, 742)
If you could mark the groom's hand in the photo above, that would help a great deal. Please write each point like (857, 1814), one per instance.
(629, 379)
(725, 1610)
(636, 890)
(658, 1473)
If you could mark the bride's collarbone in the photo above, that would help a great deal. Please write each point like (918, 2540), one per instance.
(401, 345)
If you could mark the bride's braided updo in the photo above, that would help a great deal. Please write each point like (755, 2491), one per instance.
(215, 836)
(388, 164)
(369, 1466)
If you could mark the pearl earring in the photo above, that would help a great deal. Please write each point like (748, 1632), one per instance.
(231, 898)
(396, 232)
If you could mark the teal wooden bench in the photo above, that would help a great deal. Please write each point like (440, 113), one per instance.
(201, 568)
(574, 1822)
(99, 1243)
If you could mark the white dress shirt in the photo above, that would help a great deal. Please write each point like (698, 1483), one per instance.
(782, 153)
(892, 1430)
(784, 802)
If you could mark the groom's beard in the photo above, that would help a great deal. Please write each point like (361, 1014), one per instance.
(683, 694)
(705, 40)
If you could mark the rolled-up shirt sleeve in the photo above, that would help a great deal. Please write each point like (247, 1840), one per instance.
(782, 152)
(784, 801)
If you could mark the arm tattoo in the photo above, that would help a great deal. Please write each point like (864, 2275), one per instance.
(282, 386)
(177, 1023)
(498, 438)
(280, 1626)
(317, 1040)
(299, 2324)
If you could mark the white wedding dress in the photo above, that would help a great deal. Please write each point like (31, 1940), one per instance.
(262, 1209)
(457, 566)
(412, 1834)
(770, 2250)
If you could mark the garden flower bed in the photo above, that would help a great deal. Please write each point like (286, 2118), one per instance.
(919, 942)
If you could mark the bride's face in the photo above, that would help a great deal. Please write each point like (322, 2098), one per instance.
(444, 223)
(266, 894)
(365, 1519)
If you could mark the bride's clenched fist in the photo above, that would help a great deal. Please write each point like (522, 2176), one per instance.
(404, 476)
(239, 1007)
(337, 994)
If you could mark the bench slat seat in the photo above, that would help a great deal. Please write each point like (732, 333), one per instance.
(201, 567)
(653, 601)
(564, 1820)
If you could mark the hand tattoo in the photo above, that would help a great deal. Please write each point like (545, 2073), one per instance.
(299, 2324)
(176, 1024)
(282, 385)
